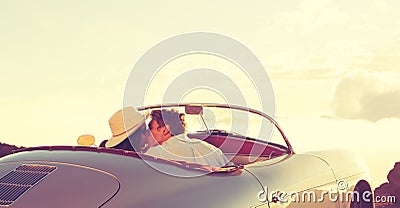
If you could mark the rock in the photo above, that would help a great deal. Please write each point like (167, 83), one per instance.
(6, 149)
(391, 188)
(394, 175)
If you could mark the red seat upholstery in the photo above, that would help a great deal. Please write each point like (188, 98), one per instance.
(235, 145)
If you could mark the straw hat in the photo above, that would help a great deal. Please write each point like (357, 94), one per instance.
(123, 124)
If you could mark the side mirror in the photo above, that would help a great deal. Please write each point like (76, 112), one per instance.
(86, 140)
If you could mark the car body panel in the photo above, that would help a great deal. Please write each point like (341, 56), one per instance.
(70, 185)
(143, 186)
(294, 174)
(348, 165)
(349, 170)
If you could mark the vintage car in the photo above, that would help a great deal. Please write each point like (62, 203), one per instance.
(264, 170)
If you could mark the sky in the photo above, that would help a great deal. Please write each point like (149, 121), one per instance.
(333, 65)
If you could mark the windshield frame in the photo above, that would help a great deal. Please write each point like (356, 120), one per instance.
(216, 105)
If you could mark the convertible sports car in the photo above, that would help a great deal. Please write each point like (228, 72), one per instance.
(264, 171)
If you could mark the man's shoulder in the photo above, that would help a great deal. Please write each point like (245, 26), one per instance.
(182, 141)
(182, 138)
(202, 143)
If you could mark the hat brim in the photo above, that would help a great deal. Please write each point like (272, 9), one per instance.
(116, 140)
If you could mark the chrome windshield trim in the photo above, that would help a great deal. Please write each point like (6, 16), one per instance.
(217, 105)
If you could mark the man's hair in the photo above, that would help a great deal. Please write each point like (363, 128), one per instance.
(170, 118)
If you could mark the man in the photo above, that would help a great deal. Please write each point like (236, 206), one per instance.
(168, 140)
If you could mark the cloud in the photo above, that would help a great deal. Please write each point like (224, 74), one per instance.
(306, 74)
(311, 15)
(383, 58)
(380, 5)
(368, 96)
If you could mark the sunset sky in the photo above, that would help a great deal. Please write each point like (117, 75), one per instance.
(334, 66)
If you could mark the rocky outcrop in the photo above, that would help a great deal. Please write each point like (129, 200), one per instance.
(6, 149)
(390, 188)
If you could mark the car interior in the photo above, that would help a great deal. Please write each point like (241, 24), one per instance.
(239, 149)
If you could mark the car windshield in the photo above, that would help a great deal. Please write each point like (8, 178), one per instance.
(233, 120)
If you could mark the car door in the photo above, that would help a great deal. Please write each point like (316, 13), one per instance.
(297, 180)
